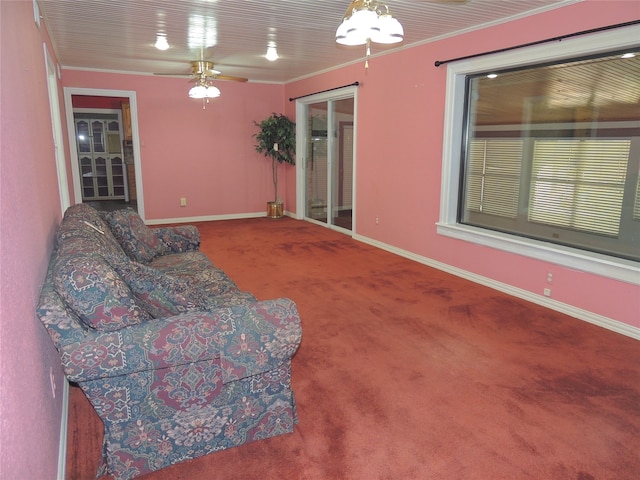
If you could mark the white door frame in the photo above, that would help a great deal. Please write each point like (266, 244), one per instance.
(131, 95)
(301, 145)
(56, 126)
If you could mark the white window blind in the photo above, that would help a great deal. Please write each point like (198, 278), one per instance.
(636, 203)
(579, 184)
(493, 179)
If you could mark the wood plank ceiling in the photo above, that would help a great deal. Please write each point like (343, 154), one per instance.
(118, 35)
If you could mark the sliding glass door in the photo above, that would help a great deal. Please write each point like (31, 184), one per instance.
(329, 160)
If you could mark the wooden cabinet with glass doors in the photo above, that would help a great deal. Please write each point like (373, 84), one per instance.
(102, 168)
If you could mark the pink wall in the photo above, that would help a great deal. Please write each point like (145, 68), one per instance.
(205, 155)
(30, 212)
(401, 104)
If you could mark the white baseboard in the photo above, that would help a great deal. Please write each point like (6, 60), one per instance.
(64, 423)
(594, 318)
(206, 218)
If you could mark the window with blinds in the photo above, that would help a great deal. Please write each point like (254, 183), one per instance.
(552, 154)
(579, 184)
(493, 180)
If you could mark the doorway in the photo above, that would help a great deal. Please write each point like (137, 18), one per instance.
(106, 163)
(328, 164)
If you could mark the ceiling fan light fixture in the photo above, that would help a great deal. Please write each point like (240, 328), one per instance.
(212, 92)
(198, 91)
(204, 89)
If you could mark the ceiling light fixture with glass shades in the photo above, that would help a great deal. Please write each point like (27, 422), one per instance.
(367, 21)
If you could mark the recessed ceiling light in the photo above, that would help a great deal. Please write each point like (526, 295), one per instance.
(272, 52)
(161, 42)
(492, 75)
(628, 55)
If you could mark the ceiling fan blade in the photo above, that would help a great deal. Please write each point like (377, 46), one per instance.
(229, 78)
(202, 70)
(175, 74)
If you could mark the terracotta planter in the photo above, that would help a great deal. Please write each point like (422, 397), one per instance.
(275, 209)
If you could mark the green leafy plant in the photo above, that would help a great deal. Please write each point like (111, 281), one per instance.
(277, 141)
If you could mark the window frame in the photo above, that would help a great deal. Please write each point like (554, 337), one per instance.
(453, 144)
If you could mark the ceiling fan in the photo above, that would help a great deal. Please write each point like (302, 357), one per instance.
(203, 73)
(204, 70)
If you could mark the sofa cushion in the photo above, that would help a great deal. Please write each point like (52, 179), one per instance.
(81, 237)
(137, 240)
(195, 268)
(161, 295)
(96, 293)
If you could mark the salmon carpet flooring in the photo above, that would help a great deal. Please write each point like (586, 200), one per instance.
(406, 372)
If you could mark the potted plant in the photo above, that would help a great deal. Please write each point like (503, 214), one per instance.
(277, 141)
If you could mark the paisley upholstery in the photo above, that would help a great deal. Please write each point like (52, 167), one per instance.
(137, 240)
(96, 293)
(175, 359)
(161, 294)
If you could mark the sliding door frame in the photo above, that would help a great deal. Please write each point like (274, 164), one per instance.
(302, 106)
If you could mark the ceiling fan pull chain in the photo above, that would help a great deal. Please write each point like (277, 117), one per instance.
(366, 61)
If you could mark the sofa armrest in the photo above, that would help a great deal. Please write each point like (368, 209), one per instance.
(245, 340)
(257, 337)
(178, 239)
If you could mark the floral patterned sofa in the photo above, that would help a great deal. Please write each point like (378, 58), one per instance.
(175, 359)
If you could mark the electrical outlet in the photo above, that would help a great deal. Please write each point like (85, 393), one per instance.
(183, 202)
(52, 378)
(549, 277)
(377, 220)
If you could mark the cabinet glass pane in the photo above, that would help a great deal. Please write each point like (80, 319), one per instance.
(98, 136)
(86, 168)
(101, 167)
(82, 134)
(113, 141)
